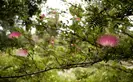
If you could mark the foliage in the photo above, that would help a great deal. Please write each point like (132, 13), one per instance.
(52, 50)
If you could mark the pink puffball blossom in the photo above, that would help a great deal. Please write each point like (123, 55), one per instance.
(22, 52)
(14, 35)
(107, 40)
(42, 16)
(54, 12)
(77, 19)
(52, 42)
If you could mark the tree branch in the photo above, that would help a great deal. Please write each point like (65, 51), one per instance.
(68, 66)
(85, 39)
(127, 34)
(118, 68)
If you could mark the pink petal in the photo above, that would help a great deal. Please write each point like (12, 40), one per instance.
(77, 19)
(54, 12)
(107, 40)
(14, 35)
(22, 52)
(42, 16)
(52, 42)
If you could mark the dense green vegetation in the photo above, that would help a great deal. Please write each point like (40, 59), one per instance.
(96, 47)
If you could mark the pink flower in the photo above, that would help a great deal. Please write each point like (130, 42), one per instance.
(77, 19)
(42, 16)
(107, 40)
(14, 35)
(54, 12)
(22, 52)
(52, 42)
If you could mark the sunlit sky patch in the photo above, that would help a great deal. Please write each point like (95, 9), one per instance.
(58, 5)
(131, 20)
(62, 5)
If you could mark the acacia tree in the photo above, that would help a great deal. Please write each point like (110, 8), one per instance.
(99, 32)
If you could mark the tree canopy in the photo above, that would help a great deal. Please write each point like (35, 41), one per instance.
(96, 47)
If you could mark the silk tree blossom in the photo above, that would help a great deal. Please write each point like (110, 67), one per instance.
(22, 52)
(42, 16)
(107, 40)
(14, 35)
(53, 12)
(77, 19)
(52, 41)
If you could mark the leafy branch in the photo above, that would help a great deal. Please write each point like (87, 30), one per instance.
(67, 66)
(118, 68)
